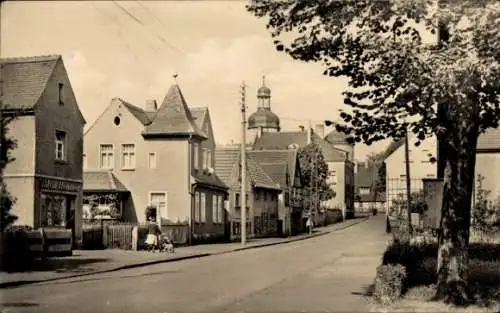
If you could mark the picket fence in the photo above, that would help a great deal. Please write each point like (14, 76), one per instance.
(109, 234)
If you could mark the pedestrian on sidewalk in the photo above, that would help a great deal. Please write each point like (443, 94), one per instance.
(309, 225)
(154, 232)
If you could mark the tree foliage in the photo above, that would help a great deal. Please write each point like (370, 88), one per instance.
(315, 174)
(6, 200)
(376, 165)
(395, 78)
(399, 81)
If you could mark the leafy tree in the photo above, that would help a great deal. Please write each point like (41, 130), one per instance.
(376, 166)
(398, 83)
(314, 176)
(6, 200)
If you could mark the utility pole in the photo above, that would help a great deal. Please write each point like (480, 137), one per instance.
(243, 166)
(408, 183)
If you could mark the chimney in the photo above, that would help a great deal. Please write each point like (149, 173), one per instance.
(151, 105)
(319, 130)
(301, 127)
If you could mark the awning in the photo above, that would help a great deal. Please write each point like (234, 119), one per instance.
(102, 181)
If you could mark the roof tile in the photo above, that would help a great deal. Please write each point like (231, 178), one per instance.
(25, 79)
(174, 117)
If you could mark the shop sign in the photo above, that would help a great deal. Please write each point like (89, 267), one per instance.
(60, 185)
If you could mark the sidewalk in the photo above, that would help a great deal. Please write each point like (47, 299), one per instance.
(88, 262)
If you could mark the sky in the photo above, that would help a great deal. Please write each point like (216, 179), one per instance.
(213, 46)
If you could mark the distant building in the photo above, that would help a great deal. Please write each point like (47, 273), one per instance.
(46, 174)
(283, 167)
(367, 196)
(338, 152)
(261, 193)
(163, 157)
(424, 161)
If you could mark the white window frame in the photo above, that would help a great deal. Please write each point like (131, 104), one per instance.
(112, 159)
(203, 207)
(197, 206)
(209, 158)
(62, 143)
(131, 155)
(196, 155)
(155, 158)
(221, 204)
(159, 214)
(205, 158)
(215, 208)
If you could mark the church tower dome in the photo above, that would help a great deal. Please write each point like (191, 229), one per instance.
(264, 119)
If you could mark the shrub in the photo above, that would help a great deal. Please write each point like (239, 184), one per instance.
(16, 255)
(389, 283)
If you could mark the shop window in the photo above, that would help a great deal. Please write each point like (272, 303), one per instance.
(256, 194)
(265, 196)
(220, 215)
(203, 207)
(60, 145)
(107, 157)
(215, 207)
(54, 210)
(197, 206)
(128, 156)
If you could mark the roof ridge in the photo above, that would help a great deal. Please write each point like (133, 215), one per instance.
(28, 59)
(112, 180)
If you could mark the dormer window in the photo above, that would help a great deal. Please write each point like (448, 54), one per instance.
(61, 93)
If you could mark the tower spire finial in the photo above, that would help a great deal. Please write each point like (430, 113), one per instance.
(175, 77)
(263, 80)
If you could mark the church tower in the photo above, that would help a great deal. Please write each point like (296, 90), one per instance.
(263, 120)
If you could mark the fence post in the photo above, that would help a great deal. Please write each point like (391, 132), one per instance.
(135, 238)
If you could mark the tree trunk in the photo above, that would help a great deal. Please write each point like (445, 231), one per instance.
(457, 152)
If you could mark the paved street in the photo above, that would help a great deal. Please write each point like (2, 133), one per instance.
(327, 273)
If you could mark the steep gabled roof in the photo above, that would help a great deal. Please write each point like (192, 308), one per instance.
(173, 118)
(199, 114)
(277, 172)
(283, 140)
(289, 158)
(101, 181)
(227, 166)
(25, 79)
(145, 117)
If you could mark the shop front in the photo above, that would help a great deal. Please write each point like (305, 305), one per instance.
(57, 203)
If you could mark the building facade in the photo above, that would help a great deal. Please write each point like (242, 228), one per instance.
(368, 196)
(262, 194)
(266, 134)
(162, 156)
(47, 172)
(283, 167)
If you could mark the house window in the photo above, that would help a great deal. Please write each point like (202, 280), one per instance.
(203, 207)
(220, 208)
(106, 156)
(60, 145)
(196, 157)
(158, 200)
(265, 196)
(61, 93)
(152, 160)
(237, 201)
(197, 206)
(204, 158)
(364, 191)
(209, 159)
(256, 195)
(84, 161)
(214, 209)
(128, 156)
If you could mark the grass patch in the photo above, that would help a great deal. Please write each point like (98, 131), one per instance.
(420, 263)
